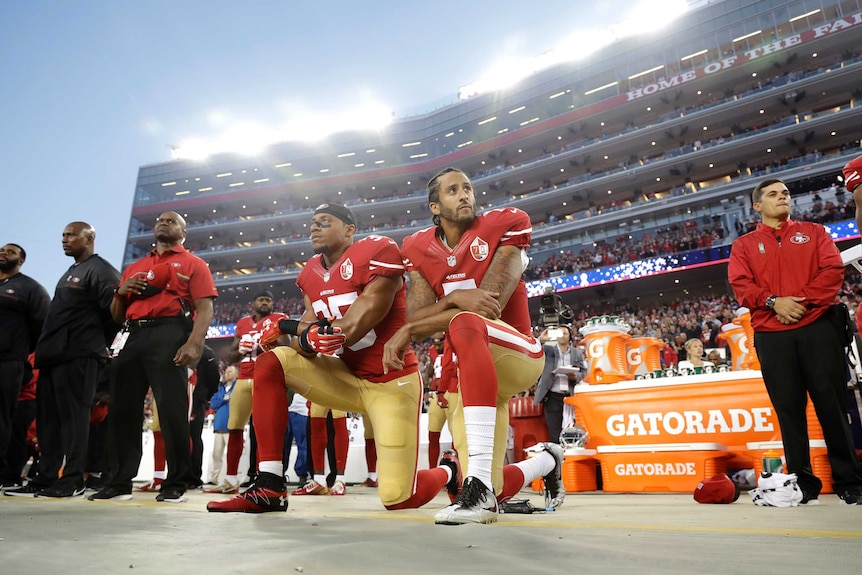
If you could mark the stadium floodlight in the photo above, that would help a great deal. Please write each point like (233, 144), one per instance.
(647, 17)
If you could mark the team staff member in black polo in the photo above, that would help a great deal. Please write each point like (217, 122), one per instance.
(69, 356)
(23, 307)
(788, 274)
(155, 301)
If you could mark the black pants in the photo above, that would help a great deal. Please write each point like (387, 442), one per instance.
(18, 452)
(196, 428)
(553, 407)
(146, 361)
(64, 398)
(11, 379)
(810, 360)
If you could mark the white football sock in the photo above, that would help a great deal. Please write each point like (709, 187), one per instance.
(479, 421)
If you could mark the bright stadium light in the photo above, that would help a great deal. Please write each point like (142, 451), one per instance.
(251, 138)
(647, 17)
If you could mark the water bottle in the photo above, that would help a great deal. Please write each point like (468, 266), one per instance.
(772, 462)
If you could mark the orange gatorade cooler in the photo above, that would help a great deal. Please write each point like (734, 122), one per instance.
(734, 337)
(669, 467)
(605, 339)
(743, 319)
(643, 355)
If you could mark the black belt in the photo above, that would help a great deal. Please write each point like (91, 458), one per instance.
(558, 394)
(151, 322)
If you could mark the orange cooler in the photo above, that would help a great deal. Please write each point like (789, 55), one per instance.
(729, 408)
(743, 319)
(606, 357)
(670, 467)
(734, 337)
(643, 355)
(579, 470)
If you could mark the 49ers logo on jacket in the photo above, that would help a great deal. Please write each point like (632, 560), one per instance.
(800, 238)
(479, 249)
(346, 269)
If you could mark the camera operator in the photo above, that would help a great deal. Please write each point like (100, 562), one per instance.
(558, 377)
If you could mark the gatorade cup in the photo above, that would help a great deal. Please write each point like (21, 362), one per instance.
(772, 462)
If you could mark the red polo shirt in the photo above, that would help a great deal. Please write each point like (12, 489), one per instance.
(190, 279)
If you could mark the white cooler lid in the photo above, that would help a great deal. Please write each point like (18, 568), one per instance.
(765, 445)
(650, 447)
(579, 451)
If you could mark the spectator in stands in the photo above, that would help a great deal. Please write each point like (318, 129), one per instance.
(694, 355)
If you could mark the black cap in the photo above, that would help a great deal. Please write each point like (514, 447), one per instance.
(339, 211)
(264, 293)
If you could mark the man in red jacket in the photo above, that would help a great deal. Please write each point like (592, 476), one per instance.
(788, 274)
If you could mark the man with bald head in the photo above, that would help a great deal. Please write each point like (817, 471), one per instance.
(165, 303)
(70, 354)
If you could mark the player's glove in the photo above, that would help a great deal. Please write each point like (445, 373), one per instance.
(246, 344)
(442, 401)
(852, 174)
(322, 337)
(270, 334)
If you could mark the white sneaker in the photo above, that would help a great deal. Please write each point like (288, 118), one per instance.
(475, 504)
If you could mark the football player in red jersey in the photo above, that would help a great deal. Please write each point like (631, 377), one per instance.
(244, 349)
(465, 279)
(354, 302)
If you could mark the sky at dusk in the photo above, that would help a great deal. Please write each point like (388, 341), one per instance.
(94, 90)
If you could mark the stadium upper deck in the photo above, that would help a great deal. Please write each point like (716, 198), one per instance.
(656, 128)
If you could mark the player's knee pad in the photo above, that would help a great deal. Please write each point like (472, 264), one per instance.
(391, 492)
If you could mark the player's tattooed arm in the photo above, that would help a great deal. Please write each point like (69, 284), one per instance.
(504, 273)
(420, 297)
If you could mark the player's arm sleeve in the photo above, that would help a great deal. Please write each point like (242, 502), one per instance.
(517, 231)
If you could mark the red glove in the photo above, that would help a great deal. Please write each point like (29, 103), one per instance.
(442, 401)
(852, 174)
(322, 337)
(274, 327)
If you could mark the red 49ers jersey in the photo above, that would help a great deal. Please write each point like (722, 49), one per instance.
(247, 328)
(463, 267)
(333, 290)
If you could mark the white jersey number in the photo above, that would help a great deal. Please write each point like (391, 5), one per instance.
(336, 306)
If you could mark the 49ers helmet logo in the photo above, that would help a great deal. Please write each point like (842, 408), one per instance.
(800, 238)
(479, 249)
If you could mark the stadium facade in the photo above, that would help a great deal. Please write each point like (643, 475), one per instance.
(653, 131)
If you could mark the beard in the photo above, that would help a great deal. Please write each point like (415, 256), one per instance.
(10, 264)
(455, 215)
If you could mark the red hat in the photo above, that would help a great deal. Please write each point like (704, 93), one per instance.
(160, 276)
(718, 489)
